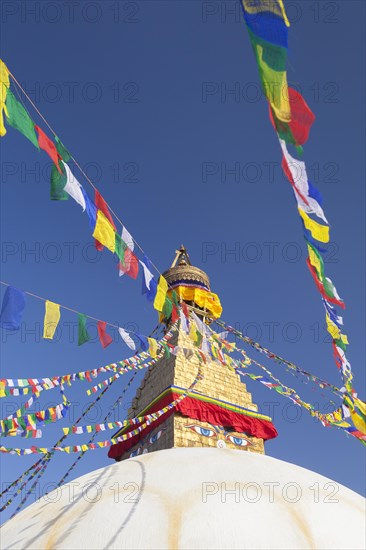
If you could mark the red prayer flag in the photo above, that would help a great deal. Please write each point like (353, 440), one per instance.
(175, 315)
(102, 205)
(302, 118)
(185, 310)
(104, 337)
(48, 146)
(131, 264)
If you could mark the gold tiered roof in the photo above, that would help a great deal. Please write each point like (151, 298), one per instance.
(182, 269)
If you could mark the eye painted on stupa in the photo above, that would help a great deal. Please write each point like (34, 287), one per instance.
(155, 437)
(206, 432)
(239, 441)
(135, 453)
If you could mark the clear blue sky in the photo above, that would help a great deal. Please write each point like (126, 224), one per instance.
(140, 97)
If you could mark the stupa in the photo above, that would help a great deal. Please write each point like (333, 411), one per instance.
(198, 477)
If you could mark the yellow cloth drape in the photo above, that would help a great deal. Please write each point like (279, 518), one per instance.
(318, 231)
(104, 232)
(203, 298)
(51, 319)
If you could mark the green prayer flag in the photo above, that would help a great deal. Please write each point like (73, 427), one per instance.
(83, 335)
(120, 247)
(167, 351)
(19, 119)
(167, 308)
(62, 151)
(58, 182)
(175, 298)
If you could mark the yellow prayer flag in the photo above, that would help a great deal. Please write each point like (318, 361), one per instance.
(275, 87)
(358, 422)
(4, 85)
(333, 329)
(274, 6)
(360, 405)
(153, 347)
(160, 294)
(344, 339)
(51, 319)
(104, 232)
(2, 389)
(315, 262)
(318, 231)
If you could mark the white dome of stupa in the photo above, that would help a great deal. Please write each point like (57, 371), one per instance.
(193, 498)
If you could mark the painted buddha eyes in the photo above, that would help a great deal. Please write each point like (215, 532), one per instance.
(155, 437)
(238, 441)
(206, 432)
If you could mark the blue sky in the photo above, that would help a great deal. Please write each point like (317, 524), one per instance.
(160, 103)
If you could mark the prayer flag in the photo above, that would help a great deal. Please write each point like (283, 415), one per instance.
(104, 232)
(73, 187)
(147, 275)
(153, 347)
(19, 119)
(48, 146)
(127, 237)
(103, 207)
(83, 335)
(12, 308)
(127, 339)
(62, 151)
(51, 319)
(90, 209)
(130, 265)
(160, 294)
(143, 341)
(104, 337)
(318, 231)
(58, 182)
(4, 86)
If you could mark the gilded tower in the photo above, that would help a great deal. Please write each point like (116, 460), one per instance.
(218, 411)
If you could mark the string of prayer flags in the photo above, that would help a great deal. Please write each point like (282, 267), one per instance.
(12, 309)
(83, 335)
(161, 291)
(102, 206)
(73, 187)
(4, 86)
(19, 119)
(48, 146)
(51, 319)
(127, 339)
(104, 337)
